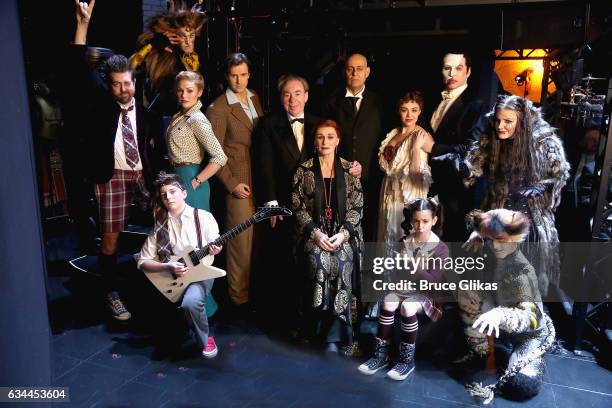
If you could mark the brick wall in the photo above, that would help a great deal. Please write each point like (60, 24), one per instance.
(151, 8)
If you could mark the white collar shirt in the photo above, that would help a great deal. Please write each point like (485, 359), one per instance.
(120, 158)
(448, 98)
(182, 232)
(358, 95)
(298, 129)
(249, 107)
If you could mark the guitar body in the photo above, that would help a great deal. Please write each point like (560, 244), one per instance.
(173, 287)
(198, 262)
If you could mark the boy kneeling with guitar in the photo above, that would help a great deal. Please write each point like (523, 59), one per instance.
(178, 226)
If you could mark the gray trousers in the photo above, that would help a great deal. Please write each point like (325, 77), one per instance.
(194, 306)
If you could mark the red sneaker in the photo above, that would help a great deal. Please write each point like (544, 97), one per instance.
(211, 350)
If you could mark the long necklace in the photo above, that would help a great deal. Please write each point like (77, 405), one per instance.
(328, 212)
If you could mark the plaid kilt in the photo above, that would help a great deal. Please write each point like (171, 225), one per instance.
(114, 197)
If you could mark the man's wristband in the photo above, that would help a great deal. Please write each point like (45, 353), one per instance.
(197, 180)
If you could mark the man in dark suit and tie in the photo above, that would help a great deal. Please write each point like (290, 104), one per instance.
(118, 157)
(283, 141)
(359, 113)
(457, 123)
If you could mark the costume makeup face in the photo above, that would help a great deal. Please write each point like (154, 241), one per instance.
(122, 86)
(294, 97)
(187, 94)
(326, 140)
(454, 71)
(505, 123)
(173, 198)
(356, 72)
(187, 39)
(238, 78)
(502, 247)
(409, 113)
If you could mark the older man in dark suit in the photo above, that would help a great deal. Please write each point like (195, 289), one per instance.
(359, 113)
(118, 156)
(283, 141)
(457, 123)
(233, 117)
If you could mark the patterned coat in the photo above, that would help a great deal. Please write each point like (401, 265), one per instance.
(334, 274)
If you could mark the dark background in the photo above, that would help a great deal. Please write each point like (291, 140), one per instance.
(404, 44)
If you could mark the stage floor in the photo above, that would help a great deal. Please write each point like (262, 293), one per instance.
(114, 369)
(107, 364)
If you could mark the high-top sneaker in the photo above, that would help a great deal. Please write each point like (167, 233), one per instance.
(116, 306)
(379, 360)
(402, 369)
(210, 350)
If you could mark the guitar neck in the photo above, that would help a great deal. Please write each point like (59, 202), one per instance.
(201, 253)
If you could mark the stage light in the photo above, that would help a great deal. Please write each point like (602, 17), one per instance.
(521, 71)
(519, 80)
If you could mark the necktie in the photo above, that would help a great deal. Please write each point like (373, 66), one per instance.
(301, 120)
(162, 234)
(353, 100)
(129, 141)
(439, 113)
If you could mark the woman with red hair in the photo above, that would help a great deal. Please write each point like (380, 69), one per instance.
(328, 205)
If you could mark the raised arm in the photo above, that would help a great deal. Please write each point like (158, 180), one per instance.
(83, 15)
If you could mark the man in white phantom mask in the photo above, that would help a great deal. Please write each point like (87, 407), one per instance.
(457, 123)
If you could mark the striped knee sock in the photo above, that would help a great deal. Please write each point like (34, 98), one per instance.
(385, 324)
(410, 326)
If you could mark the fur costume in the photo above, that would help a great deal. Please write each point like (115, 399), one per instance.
(532, 158)
(159, 64)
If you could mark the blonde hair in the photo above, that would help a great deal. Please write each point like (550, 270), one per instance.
(192, 76)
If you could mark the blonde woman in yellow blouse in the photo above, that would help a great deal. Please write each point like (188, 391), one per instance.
(407, 175)
(190, 137)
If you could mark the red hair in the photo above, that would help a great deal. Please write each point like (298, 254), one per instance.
(329, 123)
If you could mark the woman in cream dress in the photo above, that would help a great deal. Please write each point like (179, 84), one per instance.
(404, 163)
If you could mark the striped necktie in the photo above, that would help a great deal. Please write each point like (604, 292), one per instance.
(129, 141)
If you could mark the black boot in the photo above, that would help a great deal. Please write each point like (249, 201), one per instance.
(379, 360)
(402, 369)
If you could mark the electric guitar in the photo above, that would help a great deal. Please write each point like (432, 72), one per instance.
(198, 261)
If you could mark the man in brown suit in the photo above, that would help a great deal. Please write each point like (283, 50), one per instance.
(233, 116)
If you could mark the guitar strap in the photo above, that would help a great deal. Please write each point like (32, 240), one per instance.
(197, 225)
